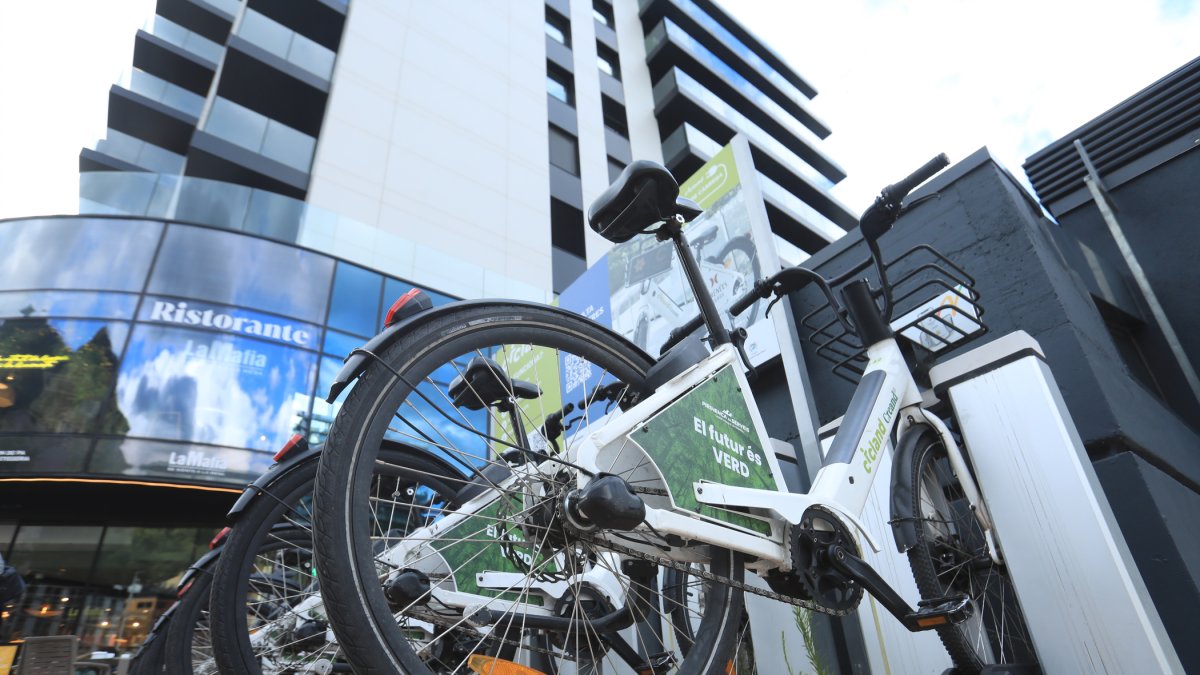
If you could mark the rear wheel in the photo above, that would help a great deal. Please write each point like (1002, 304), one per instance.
(503, 578)
(952, 556)
(267, 613)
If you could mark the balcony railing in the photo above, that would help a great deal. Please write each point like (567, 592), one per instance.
(286, 43)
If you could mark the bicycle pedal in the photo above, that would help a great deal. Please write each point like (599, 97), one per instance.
(937, 612)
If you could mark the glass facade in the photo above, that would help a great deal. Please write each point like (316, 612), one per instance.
(181, 354)
(105, 584)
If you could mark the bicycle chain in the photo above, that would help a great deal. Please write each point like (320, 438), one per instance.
(705, 574)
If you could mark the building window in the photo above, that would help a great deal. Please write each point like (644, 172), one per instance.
(607, 61)
(564, 151)
(558, 84)
(614, 169)
(614, 116)
(603, 12)
(566, 228)
(558, 28)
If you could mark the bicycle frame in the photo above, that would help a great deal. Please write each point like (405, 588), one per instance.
(886, 401)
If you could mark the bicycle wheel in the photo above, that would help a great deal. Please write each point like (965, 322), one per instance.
(151, 654)
(502, 577)
(739, 254)
(267, 614)
(189, 645)
(951, 556)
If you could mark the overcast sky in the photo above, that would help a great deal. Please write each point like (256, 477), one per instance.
(899, 81)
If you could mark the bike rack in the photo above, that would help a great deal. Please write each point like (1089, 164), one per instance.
(1084, 600)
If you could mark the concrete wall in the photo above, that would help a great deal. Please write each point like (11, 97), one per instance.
(436, 131)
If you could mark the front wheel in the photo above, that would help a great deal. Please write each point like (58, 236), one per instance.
(501, 580)
(951, 556)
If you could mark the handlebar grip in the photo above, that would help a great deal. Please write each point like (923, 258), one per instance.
(761, 290)
(897, 191)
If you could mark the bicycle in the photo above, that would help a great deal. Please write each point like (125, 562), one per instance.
(557, 560)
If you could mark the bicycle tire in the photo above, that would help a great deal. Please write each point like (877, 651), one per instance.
(188, 636)
(151, 656)
(742, 246)
(951, 556)
(370, 631)
(274, 531)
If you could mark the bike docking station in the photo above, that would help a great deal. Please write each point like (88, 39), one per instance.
(1083, 599)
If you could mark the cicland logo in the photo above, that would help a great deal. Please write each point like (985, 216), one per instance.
(874, 447)
(178, 312)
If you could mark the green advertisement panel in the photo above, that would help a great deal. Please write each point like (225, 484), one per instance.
(539, 365)
(489, 541)
(708, 434)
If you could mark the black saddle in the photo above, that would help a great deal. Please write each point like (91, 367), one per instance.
(484, 384)
(644, 195)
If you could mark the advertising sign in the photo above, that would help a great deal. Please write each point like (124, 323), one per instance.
(713, 419)
(647, 294)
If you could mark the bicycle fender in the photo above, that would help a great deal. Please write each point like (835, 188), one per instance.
(358, 360)
(904, 528)
(201, 565)
(276, 471)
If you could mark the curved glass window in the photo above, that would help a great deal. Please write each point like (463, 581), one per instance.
(207, 387)
(61, 253)
(57, 375)
(31, 304)
(354, 307)
(236, 270)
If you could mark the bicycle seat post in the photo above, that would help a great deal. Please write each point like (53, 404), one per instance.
(673, 229)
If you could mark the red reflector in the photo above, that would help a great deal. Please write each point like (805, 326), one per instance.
(218, 539)
(185, 588)
(289, 446)
(399, 304)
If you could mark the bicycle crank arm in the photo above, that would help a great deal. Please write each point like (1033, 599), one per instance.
(930, 614)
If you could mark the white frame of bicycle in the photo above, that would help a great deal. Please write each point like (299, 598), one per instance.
(842, 487)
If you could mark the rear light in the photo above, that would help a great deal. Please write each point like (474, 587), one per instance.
(294, 442)
(407, 305)
(186, 586)
(218, 539)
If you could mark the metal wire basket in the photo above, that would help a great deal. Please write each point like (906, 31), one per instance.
(935, 306)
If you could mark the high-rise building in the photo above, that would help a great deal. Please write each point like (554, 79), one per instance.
(274, 174)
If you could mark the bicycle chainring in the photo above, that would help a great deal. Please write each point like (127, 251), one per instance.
(812, 577)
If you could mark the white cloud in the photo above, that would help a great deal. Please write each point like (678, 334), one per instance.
(58, 59)
(900, 82)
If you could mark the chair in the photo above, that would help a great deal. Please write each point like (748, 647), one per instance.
(49, 655)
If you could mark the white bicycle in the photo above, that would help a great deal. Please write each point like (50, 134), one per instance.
(612, 533)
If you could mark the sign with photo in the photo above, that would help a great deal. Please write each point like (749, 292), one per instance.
(647, 294)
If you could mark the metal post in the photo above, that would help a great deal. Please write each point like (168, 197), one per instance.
(1107, 211)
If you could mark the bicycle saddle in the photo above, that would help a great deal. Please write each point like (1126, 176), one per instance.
(485, 384)
(644, 195)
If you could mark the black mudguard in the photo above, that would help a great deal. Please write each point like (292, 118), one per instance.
(357, 361)
(289, 465)
(904, 527)
(203, 564)
(300, 462)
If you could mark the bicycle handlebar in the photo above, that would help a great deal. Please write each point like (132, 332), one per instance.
(877, 219)
(880, 216)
